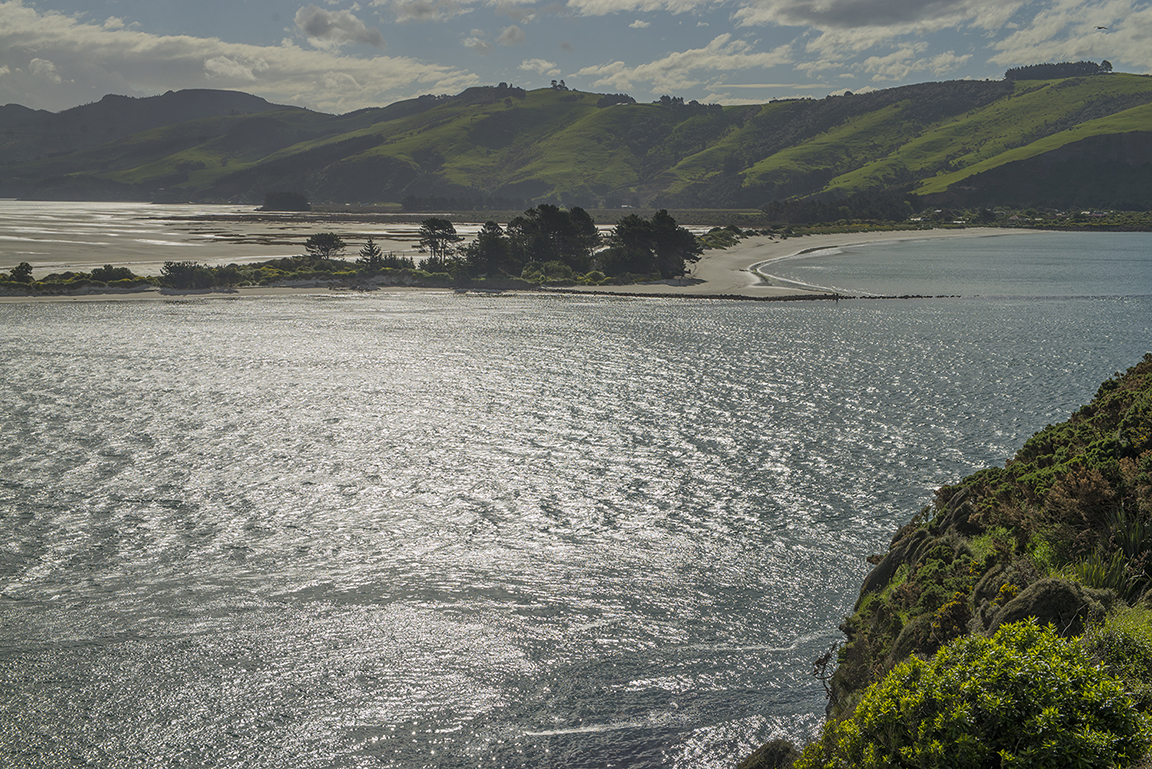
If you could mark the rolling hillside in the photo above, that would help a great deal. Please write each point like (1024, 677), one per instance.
(1081, 141)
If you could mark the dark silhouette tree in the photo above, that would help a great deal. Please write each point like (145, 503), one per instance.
(108, 273)
(438, 237)
(548, 233)
(644, 247)
(21, 273)
(371, 258)
(186, 275)
(490, 251)
(324, 245)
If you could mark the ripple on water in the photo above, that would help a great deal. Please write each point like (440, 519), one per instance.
(445, 531)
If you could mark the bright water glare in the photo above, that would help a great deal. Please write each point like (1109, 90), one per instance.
(428, 530)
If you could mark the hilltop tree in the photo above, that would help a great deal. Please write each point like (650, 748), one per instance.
(324, 245)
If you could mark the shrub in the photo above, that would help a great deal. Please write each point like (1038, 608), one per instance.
(1123, 644)
(1024, 698)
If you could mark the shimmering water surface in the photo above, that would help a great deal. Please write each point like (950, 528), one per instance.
(1054, 264)
(430, 530)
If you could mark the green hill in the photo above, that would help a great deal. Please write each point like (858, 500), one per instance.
(1080, 141)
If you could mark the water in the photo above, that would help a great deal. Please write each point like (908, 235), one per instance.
(1059, 264)
(80, 236)
(429, 530)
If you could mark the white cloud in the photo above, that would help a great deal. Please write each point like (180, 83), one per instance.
(539, 66)
(113, 22)
(479, 45)
(606, 7)
(224, 68)
(682, 70)
(90, 61)
(334, 28)
(896, 65)
(45, 69)
(639, 24)
(1066, 31)
(945, 63)
(340, 81)
(425, 10)
(512, 36)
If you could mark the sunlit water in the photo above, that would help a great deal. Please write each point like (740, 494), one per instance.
(430, 530)
(1053, 264)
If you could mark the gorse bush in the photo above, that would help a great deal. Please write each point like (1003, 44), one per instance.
(1024, 698)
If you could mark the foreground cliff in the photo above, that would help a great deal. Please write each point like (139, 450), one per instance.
(1062, 534)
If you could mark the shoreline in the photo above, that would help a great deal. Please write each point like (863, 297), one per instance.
(733, 273)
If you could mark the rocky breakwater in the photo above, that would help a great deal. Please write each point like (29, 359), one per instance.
(1062, 533)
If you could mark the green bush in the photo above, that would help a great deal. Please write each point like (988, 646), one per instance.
(1024, 698)
(1123, 645)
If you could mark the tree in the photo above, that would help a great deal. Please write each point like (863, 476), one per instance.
(108, 273)
(21, 273)
(643, 247)
(186, 275)
(547, 233)
(1024, 698)
(672, 246)
(489, 252)
(324, 245)
(437, 237)
(371, 258)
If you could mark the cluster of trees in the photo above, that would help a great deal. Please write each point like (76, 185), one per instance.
(607, 100)
(1053, 71)
(678, 102)
(108, 275)
(548, 242)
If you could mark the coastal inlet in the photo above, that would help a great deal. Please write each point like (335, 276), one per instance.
(431, 530)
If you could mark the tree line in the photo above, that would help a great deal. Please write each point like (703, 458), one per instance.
(545, 243)
(1053, 71)
(551, 243)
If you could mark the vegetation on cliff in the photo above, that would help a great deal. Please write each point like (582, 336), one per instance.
(1023, 698)
(1060, 536)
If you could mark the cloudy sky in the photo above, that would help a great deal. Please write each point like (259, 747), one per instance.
(341, 55)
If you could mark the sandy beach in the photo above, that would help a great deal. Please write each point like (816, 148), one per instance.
(743, 270)
(740, 271)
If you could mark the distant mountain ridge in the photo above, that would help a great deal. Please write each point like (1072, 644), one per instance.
(27, 134)
(1076, 141)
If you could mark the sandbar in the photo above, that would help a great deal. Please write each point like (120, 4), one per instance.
(742, 270)
(739, 271)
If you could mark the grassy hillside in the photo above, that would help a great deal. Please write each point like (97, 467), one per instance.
(948, 140)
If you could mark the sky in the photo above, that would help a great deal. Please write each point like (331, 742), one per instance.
(337, 56)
